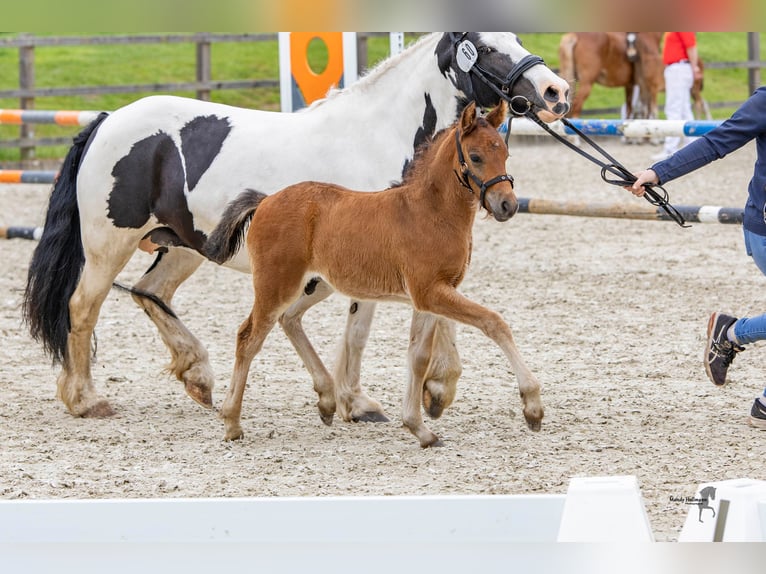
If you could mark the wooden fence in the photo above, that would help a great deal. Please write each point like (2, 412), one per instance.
(203, 84)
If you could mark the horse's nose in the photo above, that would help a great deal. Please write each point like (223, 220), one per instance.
(508, 208)
(562, 108)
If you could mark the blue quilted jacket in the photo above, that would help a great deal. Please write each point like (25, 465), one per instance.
(746, 124)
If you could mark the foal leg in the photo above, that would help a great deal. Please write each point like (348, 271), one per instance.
(291, 324)
(188, 357)
(250, 337)
(75, 383)
(429, 336)
(445, 300)
(353, 403)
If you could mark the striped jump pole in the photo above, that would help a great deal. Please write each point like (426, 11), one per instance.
(17, 117)
(691, 213)
(626, 128)
(33, 233)
(58, 117)
(26, 176)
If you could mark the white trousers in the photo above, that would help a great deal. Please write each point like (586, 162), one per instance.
(679, 79)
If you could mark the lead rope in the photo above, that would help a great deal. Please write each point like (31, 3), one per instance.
(653, 193)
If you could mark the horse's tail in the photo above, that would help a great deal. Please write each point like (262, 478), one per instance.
(566, 57)
(225, 240)
(58, 259)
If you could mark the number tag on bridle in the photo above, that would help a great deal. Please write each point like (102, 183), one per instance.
(466, 55)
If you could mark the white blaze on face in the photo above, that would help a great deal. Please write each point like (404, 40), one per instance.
(542, 77)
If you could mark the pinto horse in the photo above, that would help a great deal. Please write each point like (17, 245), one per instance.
(588, 58)
(410, 243)
(158, 173)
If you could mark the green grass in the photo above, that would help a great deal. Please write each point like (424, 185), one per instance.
(168, 63)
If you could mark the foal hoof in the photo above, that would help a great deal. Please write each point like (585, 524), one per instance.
(535, 425)
(101, 410)
(371, 417)
(438, 442)
(202, 395)
(326, 419)
(234, 435)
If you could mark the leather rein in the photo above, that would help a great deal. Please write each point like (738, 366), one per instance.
(468, 57)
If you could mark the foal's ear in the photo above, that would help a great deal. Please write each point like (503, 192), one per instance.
(497, 115)
(467, 118)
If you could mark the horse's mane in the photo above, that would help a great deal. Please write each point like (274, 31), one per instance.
(372, 75)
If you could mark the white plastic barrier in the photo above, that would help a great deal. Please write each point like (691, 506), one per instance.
(727, 511)
(447, 520)
(604, 509)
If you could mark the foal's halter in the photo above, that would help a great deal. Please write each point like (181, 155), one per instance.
(468, 175)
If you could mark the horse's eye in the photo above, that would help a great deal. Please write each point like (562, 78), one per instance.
(475, 158)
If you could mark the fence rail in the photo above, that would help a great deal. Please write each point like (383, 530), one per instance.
(203, 84)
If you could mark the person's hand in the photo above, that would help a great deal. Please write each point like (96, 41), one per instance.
(642, 177)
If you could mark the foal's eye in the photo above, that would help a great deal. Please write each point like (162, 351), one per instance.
(475, 158)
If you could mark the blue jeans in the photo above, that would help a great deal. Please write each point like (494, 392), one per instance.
(752, 329)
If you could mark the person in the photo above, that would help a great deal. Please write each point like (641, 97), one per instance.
(679, 54)
(728, 335)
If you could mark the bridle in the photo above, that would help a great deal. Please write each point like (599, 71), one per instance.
(468, 175)
(468, 58)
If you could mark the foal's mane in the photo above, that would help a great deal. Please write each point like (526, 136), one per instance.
(424, 153)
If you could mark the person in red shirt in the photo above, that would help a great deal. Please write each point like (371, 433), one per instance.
(681, 61)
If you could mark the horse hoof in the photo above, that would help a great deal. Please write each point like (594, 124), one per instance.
(535, 425)
(327, 419)
(101, 410)
(201, 395)
(234, 435)
(371, 417)
(435, 443)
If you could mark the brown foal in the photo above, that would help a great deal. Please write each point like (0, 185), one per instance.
(409, 243)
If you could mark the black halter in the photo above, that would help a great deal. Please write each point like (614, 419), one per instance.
(501, 86)
(468, 175)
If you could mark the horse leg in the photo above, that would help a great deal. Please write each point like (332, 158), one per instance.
(433, 373)
(352, 403)
(250, 337)
(75, 383)
(291, 324)
(446, 301)
(189, 358)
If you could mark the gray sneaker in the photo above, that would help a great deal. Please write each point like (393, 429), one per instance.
(758, 415)
(719, 352)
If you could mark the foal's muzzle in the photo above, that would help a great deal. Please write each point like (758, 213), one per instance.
(502, 208)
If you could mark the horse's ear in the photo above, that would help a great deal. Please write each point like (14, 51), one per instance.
(467, 118)
(497, 115)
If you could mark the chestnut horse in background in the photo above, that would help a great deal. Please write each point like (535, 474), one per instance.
(588, 58)
(410, 243)
(614, 59)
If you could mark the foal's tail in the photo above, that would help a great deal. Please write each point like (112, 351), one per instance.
(225, 240)
(58, 259)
